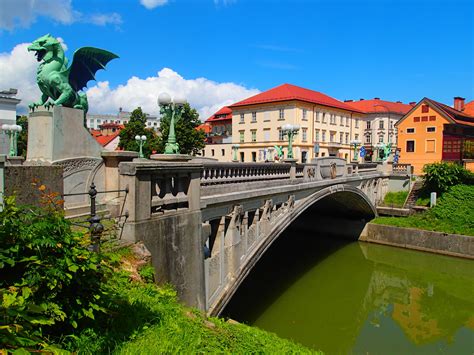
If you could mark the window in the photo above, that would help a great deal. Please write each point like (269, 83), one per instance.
(342, 120)
(254, 116)
(380, 139)
(416, 119)
(317, 116)
(254, 157)
(410, 146)
(424, 118)
(316, 135)
(242, 118)
(223, 152)
(91, 123)
(368, 124)
(347, 122)
(212, 152)
(323, 138)
(241, 136)
(203, 153)
(347, 138)
(254, 135)
(391, 124)
(332, 119)
(425, 109)
(305, 112)
(430, 146)
(281, 114)
(430, 129)
(432, 118)
(381, 124)
(266, 135)
(304, 135)
(356, 137)
(323, 117)
(281, 135)
(357, 123)
(341, 137)
(368, 139)
(266, 116)
(332, 136)
(242, 157)
(410, 130)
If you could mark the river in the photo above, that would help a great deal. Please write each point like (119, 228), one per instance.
(350, 297)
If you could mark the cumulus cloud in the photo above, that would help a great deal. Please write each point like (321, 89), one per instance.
(22, 13)
(205, 95)
(18, 70)
(151, 4)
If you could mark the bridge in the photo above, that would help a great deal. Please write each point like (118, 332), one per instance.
(207, 224)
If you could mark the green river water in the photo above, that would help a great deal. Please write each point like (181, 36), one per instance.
(359, 298)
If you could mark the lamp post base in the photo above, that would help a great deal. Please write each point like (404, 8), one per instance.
(171, 148)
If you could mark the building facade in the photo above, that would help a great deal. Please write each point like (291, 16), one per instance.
(432, 132)
(122, 117)
(8, 103)
(218, 130)
(378, 123)
(326, 125)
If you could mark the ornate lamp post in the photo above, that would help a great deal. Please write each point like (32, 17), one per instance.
(290, 130)
(141, 140)
(174, 109)
(379, 146)
(355, 143)
(12, 132)
(235, 147)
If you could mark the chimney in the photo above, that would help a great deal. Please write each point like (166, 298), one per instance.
(348, 100)
(413, 103)
(361, 99)
(459, 103)
(398, 102)
(376, 98)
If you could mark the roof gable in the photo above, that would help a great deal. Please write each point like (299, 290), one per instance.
(377, 105)
(287, 92)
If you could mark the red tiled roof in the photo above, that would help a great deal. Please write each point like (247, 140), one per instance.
(469, 108)
(223, 111)
(456, 116)
(287, 92)
(104, 140)
(377, 105)
(204, 127)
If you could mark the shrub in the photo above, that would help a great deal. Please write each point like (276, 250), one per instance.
(439, 177)
(50, 282)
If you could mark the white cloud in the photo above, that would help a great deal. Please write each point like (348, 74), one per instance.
(22, 13)
(151, 4)
(205, 95)
(18, 70)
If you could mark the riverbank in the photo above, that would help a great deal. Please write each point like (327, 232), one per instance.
(418, 239)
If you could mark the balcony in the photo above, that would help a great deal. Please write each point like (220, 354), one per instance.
(334, 145)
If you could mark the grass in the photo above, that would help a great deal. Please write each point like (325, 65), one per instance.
(147, 319)
(454, 213)
(395, 199)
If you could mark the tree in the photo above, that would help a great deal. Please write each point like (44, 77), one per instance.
(134, 127)
(190, 140)
(22, 142)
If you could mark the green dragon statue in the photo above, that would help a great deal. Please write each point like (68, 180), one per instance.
(60, 83)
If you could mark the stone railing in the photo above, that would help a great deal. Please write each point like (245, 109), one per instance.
(225, 173)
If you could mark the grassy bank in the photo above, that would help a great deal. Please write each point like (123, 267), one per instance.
(395, 199)
(146, 319)
(454, 213)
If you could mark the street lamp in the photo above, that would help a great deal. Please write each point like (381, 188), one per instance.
(290, 130)
(235, 147)
(174, 109)
(12, 131)
(379, 146)
(141, 140)
(355, 143)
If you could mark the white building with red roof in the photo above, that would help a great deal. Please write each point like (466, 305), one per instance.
(326, 125)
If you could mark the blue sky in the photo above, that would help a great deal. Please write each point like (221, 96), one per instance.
(395, 50)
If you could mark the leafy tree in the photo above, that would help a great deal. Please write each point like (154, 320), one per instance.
(134, 127)
(439, 177)
(23, 136)
(190, 140)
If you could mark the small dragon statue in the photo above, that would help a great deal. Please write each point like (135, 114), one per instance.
(60, 83)
(279, 151)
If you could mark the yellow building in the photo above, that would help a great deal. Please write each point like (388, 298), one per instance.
(327, 126)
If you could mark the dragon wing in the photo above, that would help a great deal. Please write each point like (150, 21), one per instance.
(85, 63)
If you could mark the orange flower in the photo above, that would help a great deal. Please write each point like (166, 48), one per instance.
(42, 188)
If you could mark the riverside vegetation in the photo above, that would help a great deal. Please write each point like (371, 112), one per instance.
(59, 297)
(454, 211)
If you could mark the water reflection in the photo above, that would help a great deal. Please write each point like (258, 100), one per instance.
(362, 298)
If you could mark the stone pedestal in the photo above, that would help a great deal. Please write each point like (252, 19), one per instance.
(171, 157)
(58, 137)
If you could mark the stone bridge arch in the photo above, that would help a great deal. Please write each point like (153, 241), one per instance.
(243, 237)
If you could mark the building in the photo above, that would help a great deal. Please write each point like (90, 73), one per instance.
(432, 132)
(107, 135)
(218, 129)
(327, 125)
(121, 118)
(378, 122)
(8, 103)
